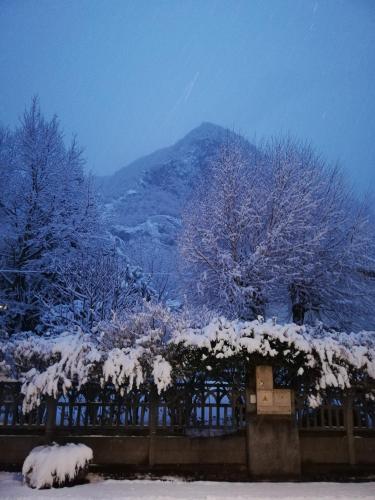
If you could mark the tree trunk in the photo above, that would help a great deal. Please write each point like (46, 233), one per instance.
(298, 314)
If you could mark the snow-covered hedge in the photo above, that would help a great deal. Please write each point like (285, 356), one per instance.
(56, 466)
(316, 359)
(322, 359)
(68, 359)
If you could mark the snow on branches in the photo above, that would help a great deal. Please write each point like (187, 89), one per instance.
(328, 359)
(277, 224)
(161, 373)
(127, 354)
(143, 337)
(123, 368)
(312, 359)
(70, 360)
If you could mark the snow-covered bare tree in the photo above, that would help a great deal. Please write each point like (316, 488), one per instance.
(156, 265)
(47, 211)
(328, 237)
(92, 286)
(222, 237)
(274, 222)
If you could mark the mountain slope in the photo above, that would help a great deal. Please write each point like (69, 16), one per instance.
(143, 201)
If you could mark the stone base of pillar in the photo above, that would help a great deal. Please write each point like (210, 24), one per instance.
(273, 447)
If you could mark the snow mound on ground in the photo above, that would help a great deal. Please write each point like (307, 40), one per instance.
(53, 466)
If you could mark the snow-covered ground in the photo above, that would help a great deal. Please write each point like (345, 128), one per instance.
(11, 487)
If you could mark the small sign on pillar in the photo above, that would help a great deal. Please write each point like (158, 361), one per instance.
(271, 401)
(265, 399)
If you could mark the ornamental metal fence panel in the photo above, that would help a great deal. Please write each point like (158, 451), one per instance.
(208, 408)
(336, 411)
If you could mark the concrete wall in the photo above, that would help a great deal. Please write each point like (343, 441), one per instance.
(332, 448)
(222, 454)
(134, 450)
(322, 448)
(14, 449)
(364, 449)
(230, 450)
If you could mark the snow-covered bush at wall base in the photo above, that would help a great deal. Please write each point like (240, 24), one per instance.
(57, 466)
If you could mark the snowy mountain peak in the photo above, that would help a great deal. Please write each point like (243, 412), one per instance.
(163, 167)
(206, 130)
(144, 200)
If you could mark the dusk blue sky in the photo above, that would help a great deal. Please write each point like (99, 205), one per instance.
(132, 76)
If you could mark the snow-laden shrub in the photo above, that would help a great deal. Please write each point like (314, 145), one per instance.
(69, 360)
(56, 466)
(143, 338)
(164, 349)
(319, 358)
(129, 368)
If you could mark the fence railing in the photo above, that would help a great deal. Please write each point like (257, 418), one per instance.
(208, 408)
(12, 417)
(336, 413)
(328, 416)
(363, 413)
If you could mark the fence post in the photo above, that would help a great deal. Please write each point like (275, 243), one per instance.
(250, 409)
(153, 420)
(349, 427)
(51, 405)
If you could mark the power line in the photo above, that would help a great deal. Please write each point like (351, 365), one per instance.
(18, 271)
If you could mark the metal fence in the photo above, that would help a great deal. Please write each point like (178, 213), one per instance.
(337, 413)
(209, 407)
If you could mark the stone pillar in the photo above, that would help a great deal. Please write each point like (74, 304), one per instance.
(349, 428)
(273, 447)
(251, 409)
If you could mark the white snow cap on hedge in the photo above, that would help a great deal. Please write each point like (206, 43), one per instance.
(48, 464)
(162, 373)
(76, 357)
(123, 366)
(332, 353)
